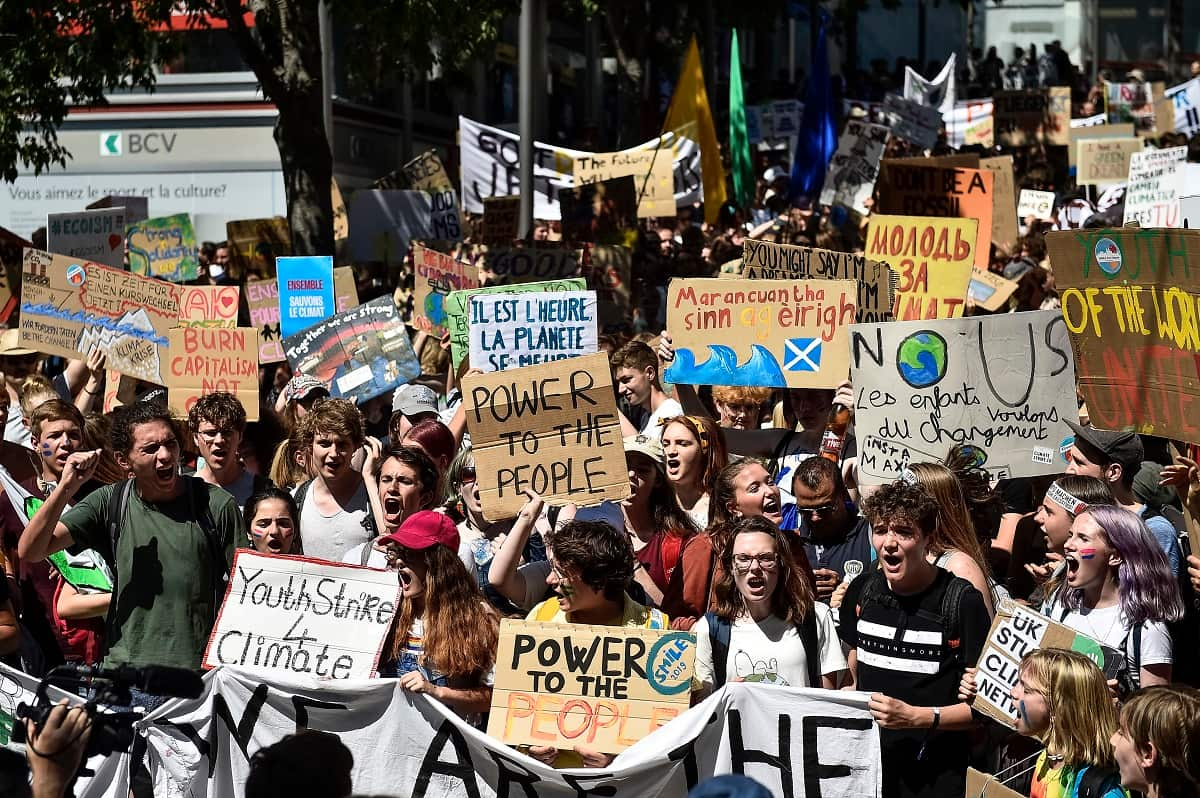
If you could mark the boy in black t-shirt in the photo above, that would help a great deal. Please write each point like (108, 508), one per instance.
(913, 628)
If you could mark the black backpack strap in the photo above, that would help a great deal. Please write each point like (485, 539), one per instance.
(301, 492)
(118, 502)
(874, 591)
(952, 611)
(719, 633)
(812, 649)
(216, 546)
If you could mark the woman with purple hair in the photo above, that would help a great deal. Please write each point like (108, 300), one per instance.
(1119, 590)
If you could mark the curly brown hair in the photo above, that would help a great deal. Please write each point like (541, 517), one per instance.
(221, 409)
(793, 596)
(900, 501)
(336, 416)
(602, 556)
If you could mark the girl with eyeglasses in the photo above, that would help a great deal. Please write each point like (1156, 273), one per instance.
(767, 627)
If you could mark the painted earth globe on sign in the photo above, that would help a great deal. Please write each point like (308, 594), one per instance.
(921, 359)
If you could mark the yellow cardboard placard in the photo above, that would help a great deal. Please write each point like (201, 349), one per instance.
(1123, 130)
(932, 257)
(1103, 162)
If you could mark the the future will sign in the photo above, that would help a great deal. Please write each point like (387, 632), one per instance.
(551, 428)
(598, 687)
(1131, 300)
(1004, 385)
(776, 333)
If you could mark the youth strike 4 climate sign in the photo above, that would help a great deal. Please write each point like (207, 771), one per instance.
(1131, 300)
(932, 258)
(1002, 384)
(303, 616)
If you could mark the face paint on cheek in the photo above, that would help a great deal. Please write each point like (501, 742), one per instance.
(47, 451)
(566, 589)
(1022, 713)
(1087, 554)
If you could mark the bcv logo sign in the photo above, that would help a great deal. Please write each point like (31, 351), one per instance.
(136, 143)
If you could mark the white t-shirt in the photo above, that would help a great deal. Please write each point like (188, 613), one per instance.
(770, 652)
(330, 537)
(1108, 627)
(668, 409)
(15, 430)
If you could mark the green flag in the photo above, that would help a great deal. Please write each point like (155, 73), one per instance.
(739, 139)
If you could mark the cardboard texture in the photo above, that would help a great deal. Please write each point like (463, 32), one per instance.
(501, 221)
(214, 306)
(164, 247)
(965, 160)
(552, 428)
(599, 212)
(932, 258)
(912, 121)
(383, 222)
(136, 208)
(98, 236)
(1016, 630)
(258, 629)
(762, 260)
(1027, 116)
(603, 688)
(653, 172)
(855, 166)
(345, 289)
(306, 294)
(514, 330)
(1152, 190)
(254, 244)
(457, 302)
(12, 253)
(360, 353)
(1102, 131)
(435, 275)
(1038, 204)
(69, 306)
(1133, 103)
(262, 303)
(984, 785)
(909, 188)
(779, 333)
(532, 264)
(1129, 298)
(989, 290)
(1104, 162)
(203, 361)
(1003, 384)
(426, 173)
(1004, 202)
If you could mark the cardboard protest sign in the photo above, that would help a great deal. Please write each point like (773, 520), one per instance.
(70, 306)
(426, 173)
(1152, 193)
(501, 221)
(345, 289)
(1185, 100)
(552, 428)
(1102, 131)
(458, 302)
(932, 257)
(1003, 384)
(383, 222)
(435, 275)
(164, 247)
(912, 121)
(305, 291)
(777, 333)
(209, 305)
(989, 290)
(360, 353)
(762, 260)
(986, 785)
(599, 212)
(274, 604)
(513, 330)
(1004, 201)
(262, 302)
(855, 166)
(652, 170)
(12, 254)
(1130, 102)
(203, 361)
(1017, 630)
(254, 244)
(98, 236)
(1027, 116)
(444, 221)
(910, 188)
(532, 264)
(1129, 298)
(136, 208)
(1104, 162)
(599, 687)
(1038, 204)
(971, 122)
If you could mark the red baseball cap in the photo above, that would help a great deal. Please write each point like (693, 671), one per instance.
(423, 530)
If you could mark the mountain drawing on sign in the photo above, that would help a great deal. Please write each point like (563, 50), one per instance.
(721, 368)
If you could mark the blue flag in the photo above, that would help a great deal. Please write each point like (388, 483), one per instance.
(818, 130)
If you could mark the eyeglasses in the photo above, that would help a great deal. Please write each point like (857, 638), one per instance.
(467, 475)
(767, 562)
(809, 512)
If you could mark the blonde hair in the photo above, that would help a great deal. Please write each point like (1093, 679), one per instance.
(1082, 716)
(1168, 718)
(955, 530)
(285, 471)
(35, 386)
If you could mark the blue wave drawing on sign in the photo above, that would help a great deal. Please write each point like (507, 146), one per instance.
(721, 368)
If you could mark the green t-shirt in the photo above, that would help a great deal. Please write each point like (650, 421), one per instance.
(163, 610)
